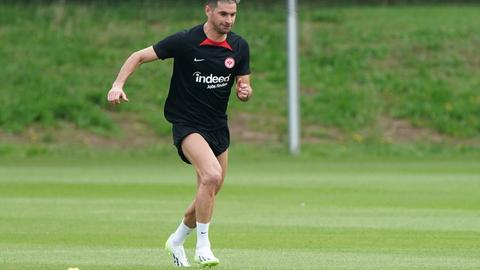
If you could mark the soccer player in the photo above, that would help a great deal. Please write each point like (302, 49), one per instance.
(208, 59)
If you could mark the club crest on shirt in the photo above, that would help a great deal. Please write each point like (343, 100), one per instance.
(229, 62)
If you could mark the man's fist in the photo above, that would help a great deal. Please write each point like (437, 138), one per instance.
(243, 90)
(116, 96)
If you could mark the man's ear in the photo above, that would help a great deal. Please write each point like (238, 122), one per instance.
(208, 10)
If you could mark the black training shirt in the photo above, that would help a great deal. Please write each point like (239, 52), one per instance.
(204, 72)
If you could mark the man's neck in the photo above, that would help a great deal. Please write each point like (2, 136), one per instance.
(212, 34)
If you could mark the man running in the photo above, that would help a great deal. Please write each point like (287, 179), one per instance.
(208, 58)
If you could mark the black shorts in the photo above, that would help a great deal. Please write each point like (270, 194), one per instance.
(218, 140)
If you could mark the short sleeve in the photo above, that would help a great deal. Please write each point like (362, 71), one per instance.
(244, 64)
(170, 46)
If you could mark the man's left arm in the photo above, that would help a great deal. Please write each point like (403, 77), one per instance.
(244, 89)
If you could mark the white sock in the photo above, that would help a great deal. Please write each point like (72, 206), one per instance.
(202, 236)
(181, 234)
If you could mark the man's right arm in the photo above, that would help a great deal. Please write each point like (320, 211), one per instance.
(116, 95)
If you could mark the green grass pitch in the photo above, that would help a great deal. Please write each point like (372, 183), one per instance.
(277, 213)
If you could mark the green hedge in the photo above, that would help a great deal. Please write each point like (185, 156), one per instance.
(357, 65)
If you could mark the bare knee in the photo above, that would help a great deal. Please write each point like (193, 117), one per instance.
(211, 179)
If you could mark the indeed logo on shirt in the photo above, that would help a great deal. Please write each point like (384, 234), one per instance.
(199, 78)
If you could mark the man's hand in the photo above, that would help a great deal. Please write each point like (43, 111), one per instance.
(243, 90)
(116, 96)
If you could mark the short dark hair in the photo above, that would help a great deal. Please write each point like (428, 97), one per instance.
(214, 3)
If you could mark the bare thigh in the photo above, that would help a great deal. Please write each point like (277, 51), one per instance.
(198, 152)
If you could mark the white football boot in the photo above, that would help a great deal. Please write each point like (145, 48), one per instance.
(205, 258)
(177, 252)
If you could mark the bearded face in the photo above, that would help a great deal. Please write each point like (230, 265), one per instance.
(222, 17)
